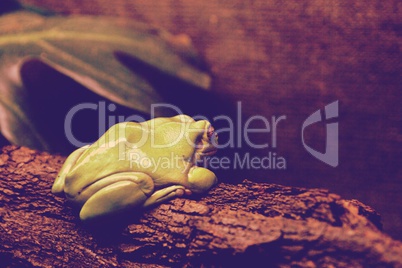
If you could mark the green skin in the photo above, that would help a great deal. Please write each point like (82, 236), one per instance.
(137, 165)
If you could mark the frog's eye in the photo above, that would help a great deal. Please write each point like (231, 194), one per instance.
(210, 132)
(212, 135)
(206, 134)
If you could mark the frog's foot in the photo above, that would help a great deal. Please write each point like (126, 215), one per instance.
(116, 193)
(166, 194)
(201, 179)
(58, 185)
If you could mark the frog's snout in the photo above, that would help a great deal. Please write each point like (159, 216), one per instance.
(212, 135)
(207, 141)
(210, 131)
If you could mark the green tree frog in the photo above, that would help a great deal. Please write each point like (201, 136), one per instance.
(137, 165)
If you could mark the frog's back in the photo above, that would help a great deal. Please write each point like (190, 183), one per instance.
(160, 151)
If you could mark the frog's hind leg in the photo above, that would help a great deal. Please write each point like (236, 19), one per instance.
(116, 193)
(58, 185)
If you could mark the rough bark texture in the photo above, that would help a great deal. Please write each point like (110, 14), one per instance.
(233, 225)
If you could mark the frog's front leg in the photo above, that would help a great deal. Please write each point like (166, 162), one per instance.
(58, 185)
(115, 193)
(201, 179)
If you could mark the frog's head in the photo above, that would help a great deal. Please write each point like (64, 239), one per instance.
(206, 141)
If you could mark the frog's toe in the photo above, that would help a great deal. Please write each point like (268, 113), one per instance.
(179, 192)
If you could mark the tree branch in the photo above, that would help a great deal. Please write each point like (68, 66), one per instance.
(232, 225)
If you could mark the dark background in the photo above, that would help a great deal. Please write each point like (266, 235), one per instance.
(292, 58)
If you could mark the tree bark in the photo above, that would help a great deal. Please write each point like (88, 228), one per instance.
(233, 225)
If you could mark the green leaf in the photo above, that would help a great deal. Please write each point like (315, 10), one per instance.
(86, 49)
